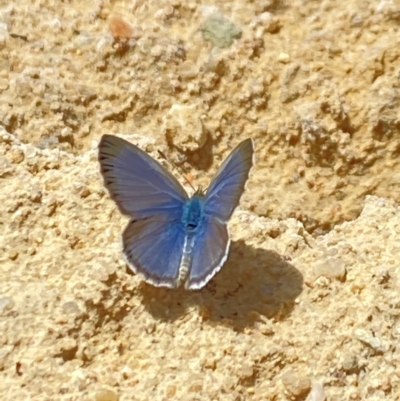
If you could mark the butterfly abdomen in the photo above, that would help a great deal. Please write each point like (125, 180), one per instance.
(192, 216)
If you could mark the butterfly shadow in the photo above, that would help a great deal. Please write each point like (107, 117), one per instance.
(255, 284)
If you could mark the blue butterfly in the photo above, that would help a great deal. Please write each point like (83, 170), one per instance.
(172, 239)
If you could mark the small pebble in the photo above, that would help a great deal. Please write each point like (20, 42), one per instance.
(13, 254)
(6, 303)
(296, 384)
(106, 395)
(283, 58)
(333, 268)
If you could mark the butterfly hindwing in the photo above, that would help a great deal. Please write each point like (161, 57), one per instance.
(209, 252)
(153, 247)
(139, 185)
(226, 188)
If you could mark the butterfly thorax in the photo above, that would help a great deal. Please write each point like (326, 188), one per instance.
(193, 211)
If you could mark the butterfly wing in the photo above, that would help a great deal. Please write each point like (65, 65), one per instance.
(153, 247)
(209, 252)
(139, 185)
(225, 190)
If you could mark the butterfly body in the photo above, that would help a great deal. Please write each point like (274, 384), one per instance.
(172, 239)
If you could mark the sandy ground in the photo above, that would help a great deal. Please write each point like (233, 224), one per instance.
(307, 306)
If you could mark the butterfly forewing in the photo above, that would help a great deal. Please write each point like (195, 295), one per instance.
(153, 247)
(139, 185)
(224, 193)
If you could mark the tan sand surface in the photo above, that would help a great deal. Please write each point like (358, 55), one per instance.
(307, 306)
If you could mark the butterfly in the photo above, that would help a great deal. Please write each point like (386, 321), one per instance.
(172, 239)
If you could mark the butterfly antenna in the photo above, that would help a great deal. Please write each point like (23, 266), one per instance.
(178, 168)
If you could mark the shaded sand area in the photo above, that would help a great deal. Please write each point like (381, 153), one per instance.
(307, 306)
